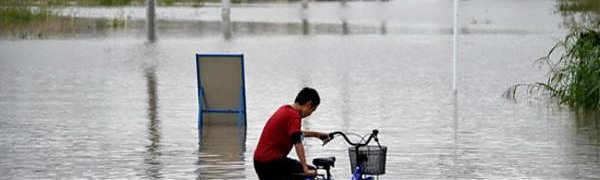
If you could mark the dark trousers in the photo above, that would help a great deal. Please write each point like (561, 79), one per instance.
(279, 169)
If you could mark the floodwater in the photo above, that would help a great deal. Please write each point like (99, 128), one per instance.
(105, 103)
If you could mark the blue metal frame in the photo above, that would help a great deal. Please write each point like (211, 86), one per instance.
(242, 106)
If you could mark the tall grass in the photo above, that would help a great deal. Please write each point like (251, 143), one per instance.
(578, 5)
(7, 3)
(22, 15)
(574, 79)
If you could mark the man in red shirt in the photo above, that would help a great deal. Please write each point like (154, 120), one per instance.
(282, 132)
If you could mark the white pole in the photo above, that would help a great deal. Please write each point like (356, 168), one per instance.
(454, 90)
(226, 19)
(225, 7)
(455, 46)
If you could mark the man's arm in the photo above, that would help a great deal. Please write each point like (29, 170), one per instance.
(319, 135)
(300, 152)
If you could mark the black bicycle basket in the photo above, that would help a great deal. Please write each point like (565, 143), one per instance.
(373, 157)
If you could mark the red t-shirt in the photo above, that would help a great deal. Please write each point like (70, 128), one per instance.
(276, 139)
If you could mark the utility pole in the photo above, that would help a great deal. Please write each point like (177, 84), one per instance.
(150, 19)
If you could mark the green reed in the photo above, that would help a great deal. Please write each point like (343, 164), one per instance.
(109, 3)
(22, 15)
(578, 5)
(574, 78)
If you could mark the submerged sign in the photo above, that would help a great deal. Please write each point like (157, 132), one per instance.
(221, 89)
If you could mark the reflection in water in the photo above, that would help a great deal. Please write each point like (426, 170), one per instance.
(153, 165)
(152, 162)
(455, 137)
(221, 152)
(588, 125)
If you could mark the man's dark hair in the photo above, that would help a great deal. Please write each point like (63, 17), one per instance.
(308, 94)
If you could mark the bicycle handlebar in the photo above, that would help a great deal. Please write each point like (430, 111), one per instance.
(372, 136)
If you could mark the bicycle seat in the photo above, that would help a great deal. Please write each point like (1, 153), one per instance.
(324, 162)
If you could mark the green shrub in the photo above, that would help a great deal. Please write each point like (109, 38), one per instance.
(574, 79)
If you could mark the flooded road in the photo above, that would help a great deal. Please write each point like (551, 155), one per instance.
(104, 103)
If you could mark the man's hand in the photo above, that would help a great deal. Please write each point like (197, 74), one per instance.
(309, 172)
(323, 136)
(300, 152)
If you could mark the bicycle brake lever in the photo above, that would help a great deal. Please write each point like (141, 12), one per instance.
(325, 142)
(329, 138)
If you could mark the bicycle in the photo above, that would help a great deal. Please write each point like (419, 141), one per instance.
(365, 159)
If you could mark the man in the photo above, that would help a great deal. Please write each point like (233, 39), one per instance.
(281, 132)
